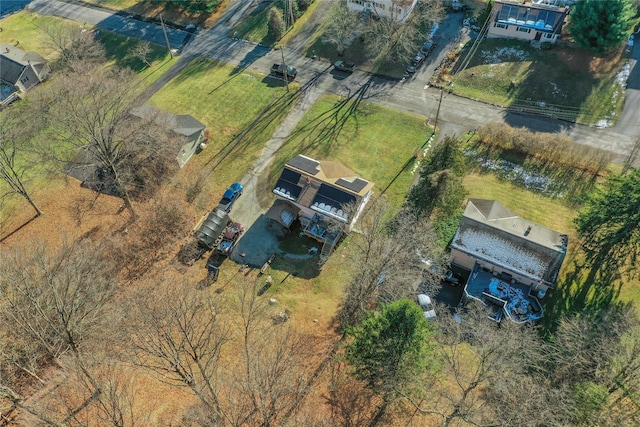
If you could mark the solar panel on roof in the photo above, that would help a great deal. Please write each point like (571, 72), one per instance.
(289, 175)
(335, 194)
(356, 186)
(306, 164)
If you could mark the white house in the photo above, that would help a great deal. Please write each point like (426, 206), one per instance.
(526, 21)
(398, 10)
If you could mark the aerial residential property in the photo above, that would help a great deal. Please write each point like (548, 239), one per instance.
(526, 21)
(512, 261)
(325, 196)
(398, 10)
(182, 124)
(19, 72)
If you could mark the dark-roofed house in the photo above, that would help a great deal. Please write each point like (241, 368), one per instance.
(20, 71)
(526, 21)
(182, 124)
(325, 196)
(512, 261)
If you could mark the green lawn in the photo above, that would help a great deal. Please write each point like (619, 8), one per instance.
(27, 31)
(570, 83)
(375, 142)
(240, 108)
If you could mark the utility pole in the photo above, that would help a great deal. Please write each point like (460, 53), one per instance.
(166, 38)
(438, 110)
(284, 69)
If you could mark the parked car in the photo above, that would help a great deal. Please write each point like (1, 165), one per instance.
(427, 307)
(345, 66)
(279, 69)
(427, 48)
(230, 196)
(418, 59)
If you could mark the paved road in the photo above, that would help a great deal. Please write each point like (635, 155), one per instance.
(457, 114)
(109, 21)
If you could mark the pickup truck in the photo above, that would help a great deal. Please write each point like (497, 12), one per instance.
(279, 70)
(345, 66)
(230, 237)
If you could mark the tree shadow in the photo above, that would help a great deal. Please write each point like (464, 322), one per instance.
(586, 290)
(119, 49)
(20, 227)
(326, 129)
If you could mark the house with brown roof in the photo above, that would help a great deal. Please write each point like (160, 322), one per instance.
(20, 71)
(325, 196)
(512, 261)
(398, 10)
(526, 21)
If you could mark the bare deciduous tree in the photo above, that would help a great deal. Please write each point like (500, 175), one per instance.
(398, 40)
(14, 161)
(141, 50)
(341, 25)
(179, 335)
(79, 50)
(90, 115)
(387, 260)
(58, 299)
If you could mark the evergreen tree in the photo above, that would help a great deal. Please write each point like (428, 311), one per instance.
(390, 349)
(276, 24)
(601, 25)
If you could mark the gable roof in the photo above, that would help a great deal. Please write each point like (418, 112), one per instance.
(541, 17)
(182, 124)
(13, 62)
(325, 186)
(491, 232)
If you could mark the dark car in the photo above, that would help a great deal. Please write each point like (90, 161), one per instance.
(230, 196)
(345, 66)
(427, 48)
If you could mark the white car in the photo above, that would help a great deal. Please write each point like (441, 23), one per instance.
(427, 307)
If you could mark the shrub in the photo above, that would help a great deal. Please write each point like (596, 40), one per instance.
(276, 24)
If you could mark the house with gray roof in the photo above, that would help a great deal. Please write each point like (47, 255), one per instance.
(537, 21)
(20, 71)
(194, 132)
(512, 261)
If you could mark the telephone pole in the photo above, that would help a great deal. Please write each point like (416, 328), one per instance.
(284, 69)
(166, 38)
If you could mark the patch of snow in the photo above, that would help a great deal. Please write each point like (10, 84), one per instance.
(503, 54)
(604, 123)
(503, 251)
(623, 75)
(555, 89)
(530, 179)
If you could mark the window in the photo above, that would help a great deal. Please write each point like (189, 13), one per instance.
(503, 26)
(524, 30)
(548, 36)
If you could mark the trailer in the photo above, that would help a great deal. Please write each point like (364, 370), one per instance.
(208, 234)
